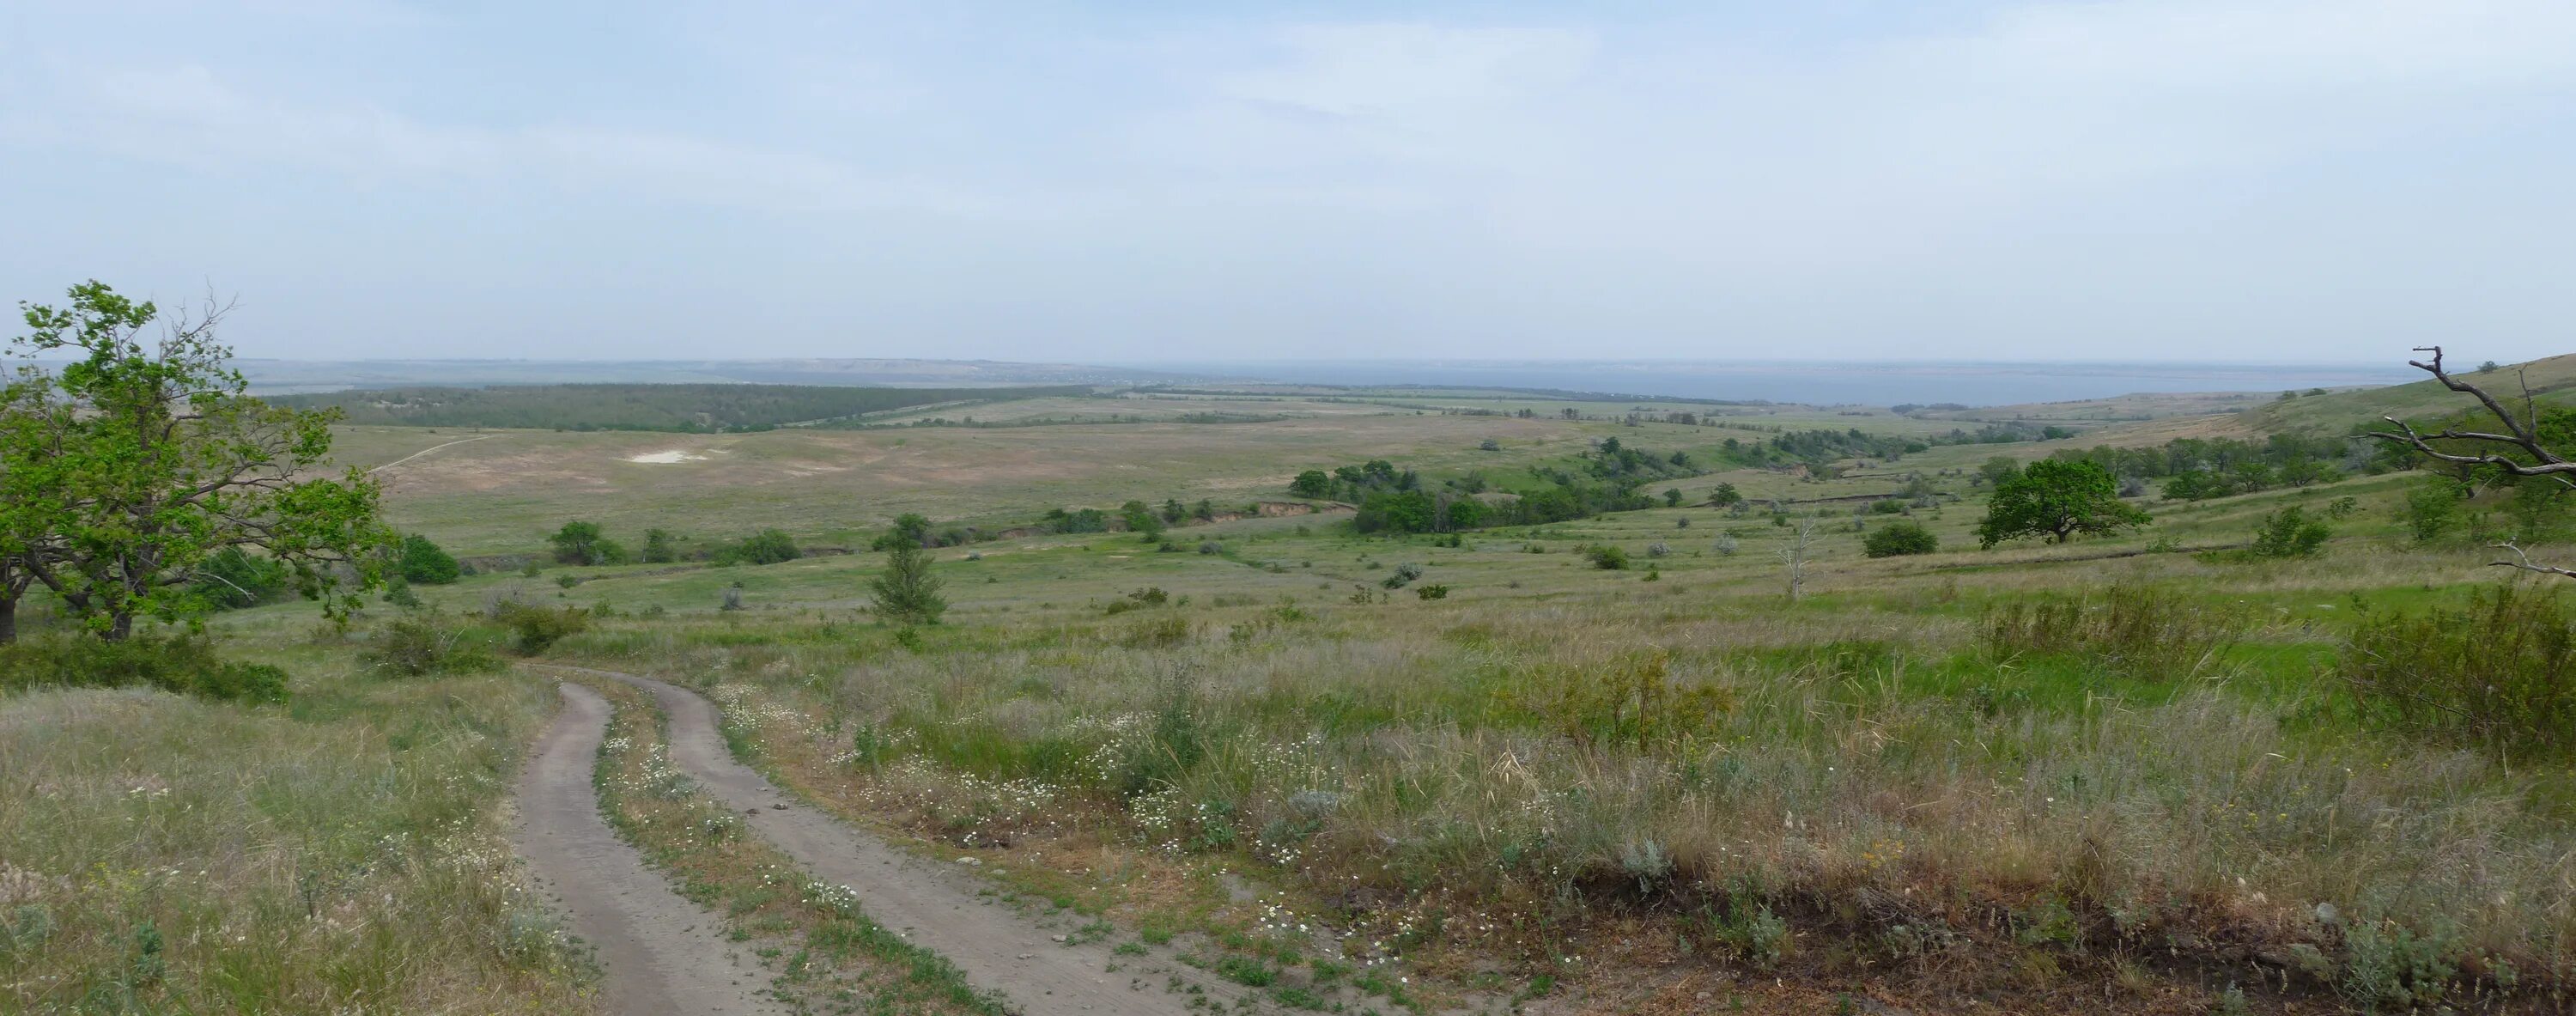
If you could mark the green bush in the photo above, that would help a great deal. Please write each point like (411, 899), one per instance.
(2492, 673)
(234, 578)
(1607, 557)
(1900, 539)
(535, 628)
(768, 546)
(1432, 591)
(2289, 533)
(181, 665)
(414, 645)
(421, 562)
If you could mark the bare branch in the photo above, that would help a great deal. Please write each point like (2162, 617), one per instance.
(2523, 561)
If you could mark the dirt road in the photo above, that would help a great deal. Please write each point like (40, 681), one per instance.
(932, 904)
(663, 955)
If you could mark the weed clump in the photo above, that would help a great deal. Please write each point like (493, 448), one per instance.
(182, 665)
(2491, 674)
(415, 645)
(2138, 632)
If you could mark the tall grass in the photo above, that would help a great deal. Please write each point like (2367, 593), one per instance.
(1549, 765)
(161, 853)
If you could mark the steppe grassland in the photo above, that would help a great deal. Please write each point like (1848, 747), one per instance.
(1873, 766)
(1500, 772)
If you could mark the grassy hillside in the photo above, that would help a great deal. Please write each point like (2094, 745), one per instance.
(690, 408)
(2552, 380)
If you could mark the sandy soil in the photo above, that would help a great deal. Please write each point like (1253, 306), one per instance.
(663, 956)
(931, 904)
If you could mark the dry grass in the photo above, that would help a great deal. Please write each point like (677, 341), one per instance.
(165, 854)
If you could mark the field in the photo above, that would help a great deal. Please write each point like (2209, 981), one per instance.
(1281, 762)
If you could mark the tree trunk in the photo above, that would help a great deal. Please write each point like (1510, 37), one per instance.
(8, 617)
(120, 628)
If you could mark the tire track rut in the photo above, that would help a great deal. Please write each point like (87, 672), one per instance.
(934, 908)
(661, 954)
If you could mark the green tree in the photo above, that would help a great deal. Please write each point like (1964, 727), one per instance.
(140, 462)
(1726, 495)
(233, 579)
(1999, 470)
(2057, 499)
(424, 563)
(1141, 520)
(906, 591)
(659, 547)
(1898, 539)
(1311, 483)
(581, 543)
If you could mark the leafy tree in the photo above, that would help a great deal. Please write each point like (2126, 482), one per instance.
(659, 547)
(133, 466)
(424, 563)
(1898, 539)
(1726, 496)
(1672, 497)
(581, 543)
(909, 527)
(1998, 470)
(906, 591)
(2057, 499)
(1311, 483)
(233, 579)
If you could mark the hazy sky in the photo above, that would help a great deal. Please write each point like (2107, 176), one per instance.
(2246, 180)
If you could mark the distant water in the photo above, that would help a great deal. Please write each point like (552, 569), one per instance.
(1873, 384)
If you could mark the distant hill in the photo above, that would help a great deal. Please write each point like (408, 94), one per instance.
(2552, 380)
(688, 408)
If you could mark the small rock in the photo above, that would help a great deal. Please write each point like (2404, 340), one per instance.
(971, 862)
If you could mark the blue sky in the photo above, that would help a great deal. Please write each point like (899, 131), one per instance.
(2236, 180)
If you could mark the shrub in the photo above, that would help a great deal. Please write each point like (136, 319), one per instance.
(1900, 539)
(234, 578)
(2136, 631)
(181, 665)
(415, 645)
(1887, 506)
(732, 599)
(1607, 557)
(2491, 674)
(2432, 509)
(581, 543)
(768, 546)
(2289, 533)
(658, 547)
(421, 562)
(1404, 574)
(1159, 633)
(1432, 591)
(1658, 549)
(535, 628)
(1724, 545)
(1211, 547)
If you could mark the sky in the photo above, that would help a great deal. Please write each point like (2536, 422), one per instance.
(2178, 180)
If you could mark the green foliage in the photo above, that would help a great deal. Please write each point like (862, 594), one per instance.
(581, 543)
(1141, 520)
(906, 592)
(534, 628)
(133, 465)
(2057, 499)
(422, 562)
(1898, 539)
(660, 547)
(1607, 557)
(234, 579)
(1726, 496)
(2289, 533)
(2140, 632)
(682, 408)
(1431, 591)
(2433, 509)
(909, 527)
(179, 664)
(2493, 673)
(768, 546)
(416, 644)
